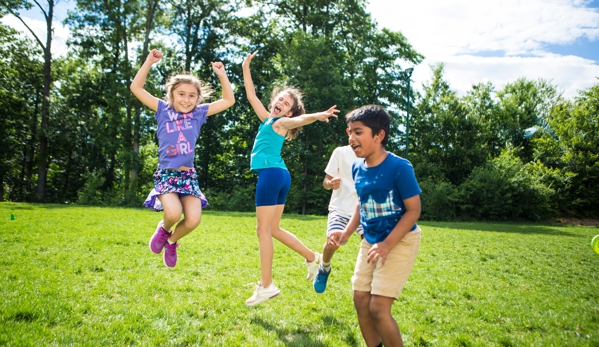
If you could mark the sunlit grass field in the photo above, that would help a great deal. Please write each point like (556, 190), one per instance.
(84, 276)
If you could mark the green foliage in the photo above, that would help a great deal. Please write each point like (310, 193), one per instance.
(21, 82)
(570, 145)
(337, 55)
(439, 200)
(478, 284)
(91, 193)
(239, 200)
(505, 188)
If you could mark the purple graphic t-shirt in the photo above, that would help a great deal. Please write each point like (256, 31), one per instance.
(177, 135)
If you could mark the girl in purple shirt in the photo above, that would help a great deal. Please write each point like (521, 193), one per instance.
(180, 117)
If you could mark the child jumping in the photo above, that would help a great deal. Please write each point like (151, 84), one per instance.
(180, 117)
(389, 207)
(338, 177)
(284, 119)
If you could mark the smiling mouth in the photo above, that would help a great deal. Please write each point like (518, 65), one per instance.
(277, 110)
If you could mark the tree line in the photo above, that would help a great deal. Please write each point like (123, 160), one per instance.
(74, 133)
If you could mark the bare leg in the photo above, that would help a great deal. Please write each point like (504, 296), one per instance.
(287, 238)
(380, 309)
(328, 251)
(192, 207)
(172, 209)
(365, 319)
(265, 215)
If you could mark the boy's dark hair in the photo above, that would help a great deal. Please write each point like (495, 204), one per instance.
(373, 116)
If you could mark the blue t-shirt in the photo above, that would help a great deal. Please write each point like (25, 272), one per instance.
(381, 190)
(266, 152)
(177, 135)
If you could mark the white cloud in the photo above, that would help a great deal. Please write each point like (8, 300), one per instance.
(454, 31)
(59, 40)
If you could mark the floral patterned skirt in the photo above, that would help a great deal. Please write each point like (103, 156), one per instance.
(166, 181)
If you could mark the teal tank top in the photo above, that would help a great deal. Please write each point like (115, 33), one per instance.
(267, 148)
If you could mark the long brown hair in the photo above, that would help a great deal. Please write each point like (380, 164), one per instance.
(296, 110)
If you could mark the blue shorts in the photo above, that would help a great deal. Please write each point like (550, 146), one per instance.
(272, 187)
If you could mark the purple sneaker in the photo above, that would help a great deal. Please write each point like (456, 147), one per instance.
(159, 238)
(170, 254)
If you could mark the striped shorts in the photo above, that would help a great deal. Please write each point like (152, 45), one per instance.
(338, 222)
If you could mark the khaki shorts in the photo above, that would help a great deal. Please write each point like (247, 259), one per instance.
(387, 280)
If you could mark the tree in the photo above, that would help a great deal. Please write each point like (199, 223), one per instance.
(13, 7)
(570, 144)
(448, 143)
(523, 107)
(21, 81)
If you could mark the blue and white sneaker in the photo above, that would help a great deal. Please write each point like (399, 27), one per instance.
(320, 283)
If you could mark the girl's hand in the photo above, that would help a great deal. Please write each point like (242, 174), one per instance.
(154, 56)
(248, 59)
(324, 116)
(219, 68)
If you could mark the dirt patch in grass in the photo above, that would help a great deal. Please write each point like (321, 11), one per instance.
(578, 221)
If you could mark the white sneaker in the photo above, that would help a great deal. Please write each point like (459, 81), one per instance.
(262, 294)
(313, 266)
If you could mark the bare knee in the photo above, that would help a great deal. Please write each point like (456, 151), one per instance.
(193, 220)
(262, 231)
(330, 248)
(172, 217)
(362, 301)
(380, 309)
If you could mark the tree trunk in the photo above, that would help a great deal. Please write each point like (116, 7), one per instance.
(42, 162)
(137, 127)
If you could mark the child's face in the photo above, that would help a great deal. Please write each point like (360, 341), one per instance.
(184, 97)
(361, 139)
(281, 105)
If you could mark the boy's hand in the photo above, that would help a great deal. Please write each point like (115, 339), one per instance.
(338, 238)
(324, 116)
(376, 252)
(219, 68)
(248, 59)
(154, 56)
(335, 183)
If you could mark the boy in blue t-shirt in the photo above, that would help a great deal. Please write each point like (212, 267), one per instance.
(388, 208)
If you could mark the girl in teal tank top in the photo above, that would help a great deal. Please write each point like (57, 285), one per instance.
(284, 120)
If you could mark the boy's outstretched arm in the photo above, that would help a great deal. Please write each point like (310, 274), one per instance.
(250, 91)
(228, 98)
(137, 86)
(407, 221)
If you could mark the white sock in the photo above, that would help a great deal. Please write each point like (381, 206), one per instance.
(326, 266)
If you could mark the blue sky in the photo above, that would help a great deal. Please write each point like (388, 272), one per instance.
(478, 41)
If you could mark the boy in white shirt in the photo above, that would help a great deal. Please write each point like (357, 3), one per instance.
(343, 203)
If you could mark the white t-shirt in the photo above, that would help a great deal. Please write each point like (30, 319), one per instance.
(344, 199)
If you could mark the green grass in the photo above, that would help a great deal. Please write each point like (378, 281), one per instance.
(84, 276)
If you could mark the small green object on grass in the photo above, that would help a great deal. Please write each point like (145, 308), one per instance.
(595, 243)
(12, 216)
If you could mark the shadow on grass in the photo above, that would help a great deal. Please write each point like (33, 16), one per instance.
(507, 227)
(300, 337)
(253, 215)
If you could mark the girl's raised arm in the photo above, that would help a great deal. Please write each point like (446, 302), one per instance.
(137, 86)
(228, 98)
(296, 122)
(250, 91)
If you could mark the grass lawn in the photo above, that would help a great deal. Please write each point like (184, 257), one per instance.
(84, 276)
